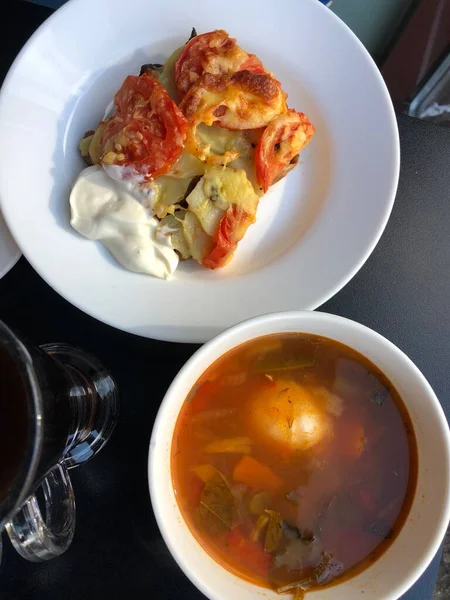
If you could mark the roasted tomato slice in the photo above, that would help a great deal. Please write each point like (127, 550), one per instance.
(243, 100)
(253, 64)
(280, 143)
(214, 52)
(231, 230)
(147, 133)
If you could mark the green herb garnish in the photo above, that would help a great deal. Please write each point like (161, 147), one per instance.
(298, 586)
(260, 525)
(274, 531)
(217, 506)
(271, 522)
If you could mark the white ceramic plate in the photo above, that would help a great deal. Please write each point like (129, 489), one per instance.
(314, 229)
(411, 552)
(9, 252)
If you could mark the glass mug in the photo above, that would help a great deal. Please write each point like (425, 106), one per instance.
(58, 408)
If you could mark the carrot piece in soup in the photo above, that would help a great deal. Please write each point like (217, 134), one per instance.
(248, 553)
(238, 445)
(257, 476)
(204, 472)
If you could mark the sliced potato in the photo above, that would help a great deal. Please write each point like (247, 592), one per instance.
(83, 147)
(187, 165)
(95, 146)
(223, 199)
(220, 140)
(205, 202)
(174, 227)
(198, 241)
(246, 160)
(222, 187)
(167, 77)
(168, 193)
(218, 190)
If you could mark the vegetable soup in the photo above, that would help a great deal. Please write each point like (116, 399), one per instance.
(294, 462)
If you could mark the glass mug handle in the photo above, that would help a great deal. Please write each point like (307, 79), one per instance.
(37, 537)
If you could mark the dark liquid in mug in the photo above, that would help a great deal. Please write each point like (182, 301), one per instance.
(13, 422)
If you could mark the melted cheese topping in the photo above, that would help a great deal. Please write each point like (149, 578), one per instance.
(214, 52)
(241, 101)
(228, 110)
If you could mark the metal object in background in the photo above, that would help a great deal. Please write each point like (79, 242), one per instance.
(417, 69)
(432, 101)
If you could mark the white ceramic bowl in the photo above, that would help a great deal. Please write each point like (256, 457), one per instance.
(314, 229)
(413, 549)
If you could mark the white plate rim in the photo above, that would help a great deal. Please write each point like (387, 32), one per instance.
(13, 253)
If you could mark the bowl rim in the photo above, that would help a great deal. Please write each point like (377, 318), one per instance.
(201, 357)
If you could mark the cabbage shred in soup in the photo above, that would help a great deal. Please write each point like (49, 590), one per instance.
(294, 462)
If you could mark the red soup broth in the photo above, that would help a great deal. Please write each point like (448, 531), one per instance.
(294, 462)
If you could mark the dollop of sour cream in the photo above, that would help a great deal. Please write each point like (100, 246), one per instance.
(119, 214)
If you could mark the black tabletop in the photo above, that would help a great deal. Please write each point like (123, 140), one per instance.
(402, 292)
